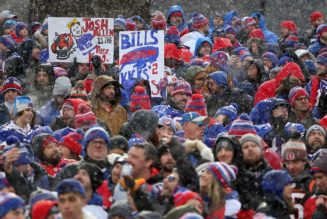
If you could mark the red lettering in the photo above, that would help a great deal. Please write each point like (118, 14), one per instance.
(156, 91)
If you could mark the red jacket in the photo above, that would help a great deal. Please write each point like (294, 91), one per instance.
(310, 207)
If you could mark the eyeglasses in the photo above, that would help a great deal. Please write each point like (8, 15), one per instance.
(171, 178)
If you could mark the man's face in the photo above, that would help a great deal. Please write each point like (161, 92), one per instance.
(109, 92)
(176, 20)
(252, 153)
(193, 130)
(225, 155)
(200, 79)
(97, 149)
(15, 214)
(318, 22)
(218, 21)
(27, 116)
(136, 158)
(321, 69)
(23, 32)
(83, 68)
(116, 172)
(76, 30)
(165, 131)
(267, 63)
(42, 78)
(83, 177)
(36, 53)
(295, 167)
(284, 32)
(302, 104)
(252, 71)
(321, 182)
(52, 153)
(169, 184)
(167, 162)
(316, 140)
(280, 111)
(212, 86)
(68, 115)
(180, 100)
(205, 49)
(70, 205)
(10, 96)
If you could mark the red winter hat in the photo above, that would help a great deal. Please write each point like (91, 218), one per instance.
(73, 103)
(196, 104)
(158, 21)
(199, 21)
(296, 92)
(257, 33)
(48, 140)
(43, 208)
(221, 43)
(84, 117)
(315, 16)
(289, 25)
(323, 122)
(171, 51)
(130, 25)
(181, 198)
(72, 141)
(88, 85)
(249, 22)
(140, 100)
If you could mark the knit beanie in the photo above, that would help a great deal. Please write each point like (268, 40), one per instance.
(230, 111)
(70, 185)
(223, 173)
(43, 209)
(191, 72)
(120, 23)
(257, 33)
(84, 117)
(93, 133)
(271, 57)
(220, 78)
(294, 150)
(119, 142)
(11, 83)
(130, 25)
(158, 20)
(230, 29)
(19, 27)
(172, 35)
(314, 128)
(290, 25)
(322, 28)
(8, 41)
(59, 72)
(322, 59)
(295, 93)
(144, 123)
(292, 42)
(310, 67)
(251, 137)
(171, 51)
(319, 165)
(72, 141)
(139, 99)
(275, 181)
(78, 93)
(196, 104)
(323, 122)
(9, 202)
(199, 21)
(94, 172)
(316, 15)
(245, 55)
(284, 60)
(182, 86)
(219, 60)
(249, 21)
(222, 44)
(62, 86)
(22, 103)
(72, 104)
(181, 198)
(39, 195)
(136, 140)
(166, 120)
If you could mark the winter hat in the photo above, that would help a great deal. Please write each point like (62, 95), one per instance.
(165, 120)
(172, 35)
(9, 202)
(290, 25)
(84, 117)
(11, 83)
(120, 23)
(322, 59)
(292, 42)
(70, 185)
(40, 142)
(220, 78)
(191, 72)
(130, 25)
(78, 93)
(294, 150)
(20, 26)
(144, 123)
(121, 209)
(310, 67)
(271, 57)
(316, 15)
(72, 104)
(41, 194)
(323, 122)
(139, 100)
(95, 132)
(3, 181)
(251, 137)
(230, 111)
(230, 29)
(8, 41)
(24, 157)
(319, 164)
(158, 20)
(22, 103)
(62, 86)
(196, 104)
(181, 198)
(274, 182)
(257, 33)
(6, 14)
(249, 21)
(296, 92)
(314, 128)
(221, 44)
(59, 72)
(136, 140)
(219, 60)
(284, 60)
(223, 173)
(199, 21)
(194, 117)
(191, 215)
(119, 142)
(44, 56)
(94, 172)
(43, 208)
(72, 141)
(182, 86)
(245, 55)
(322, 28)
(171, 51)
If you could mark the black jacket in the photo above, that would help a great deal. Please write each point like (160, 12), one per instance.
(4, 114)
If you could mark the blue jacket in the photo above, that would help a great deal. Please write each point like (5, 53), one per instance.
(166, 110)
(199, 43)
(269, 36)
(23, 134)
(261, 112)
(58, 134)
(47, 113)
(177, 8)
(228, 17)
(316, 47)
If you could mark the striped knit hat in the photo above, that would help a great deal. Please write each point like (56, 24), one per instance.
(223, 173)
(230, 111)
(84, 117)
(139, 100)
(181, 198)
(11, 83)
(196, 104)
(182, 87)
(199, 21)
(271, 57)
(72, 141)
(295, 93)
(322, 28)
(241, 126)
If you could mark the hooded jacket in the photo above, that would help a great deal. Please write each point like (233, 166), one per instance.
(199, 43)
(177, 8)
(269, 36)
(117, 115)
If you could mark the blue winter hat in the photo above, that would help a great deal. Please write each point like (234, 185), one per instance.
(322, 58)
(240, 50)
(284, 60)
(22, 103)
(120, 22)
(44, 26)
(230, 29)
(245, 55)
(135, 140)
(166, 120)
(9, 202)
(93, 133)
(20, 26)
(71, 185)
(310, 66)
(24, 157)
(230, 111)
(44, 56)
(41, 194)
(271, 57)
(274, 182)
(220, 78)
(8, 41)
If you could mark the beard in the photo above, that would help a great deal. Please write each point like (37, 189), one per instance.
(55, 159)
(278, 122)
(106, 99)
(168, 167)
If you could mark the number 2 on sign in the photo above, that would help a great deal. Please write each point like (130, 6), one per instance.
(155, 68)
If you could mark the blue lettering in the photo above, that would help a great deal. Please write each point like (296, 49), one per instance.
(138, 39)
(153, 33)
(125, 44)
(133, 39)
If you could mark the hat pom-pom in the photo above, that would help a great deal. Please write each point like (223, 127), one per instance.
(197, 97)
(139, 90)
(244, 116)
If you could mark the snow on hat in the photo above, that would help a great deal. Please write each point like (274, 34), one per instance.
(171, 51)
(181, 198)
(295, 93)
(294, 150)
(139, 99)
(199, 21)
(322, 28)
(9, 202)
(70, 185)
(84, 117)
(22, 103)
(62, 86)
(230, 111)
(59, 72)
(257, 33)
(319, 164)
(167, 121)
(120, 23)
(72, 141)
(119, 142)
(196, 104)
(290, 25)
(3, 181)
(94, 172)
(93, 133)
(19, 27)
(7, 41)
(274, 182)
(316, 15)
(251, 137)
(242, 126)
(43, 208)
(220, 78)
(271, 57)
(11, 83)
(314, 128)
(144, 123)
(172, 35)
(322, 59)
(182, 86)
(230, 29)
(221, 43)
(223, 173)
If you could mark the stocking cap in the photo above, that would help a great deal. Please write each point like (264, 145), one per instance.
(172, 35)
(223, 173)
(314, 128)
(94, 172)
(9, 202)
(181, 198)
(288, 24)
(295, 93)
(257, 33)
(230, 111)
(22, 103)
(275, 181)
(139, 99)
(196, 104)
(11, 83)
(322, 28)
(19, 27)
(70, 185)
(182, 87)
(43, 208)
(230, 29)
(84, 117)
(220, 78)
(271, 57)
(319, 165)
(199, 21)
(93, 133)
(72, 141)
(251, 137)
(316, 15)
(294, 150)
(171, 51)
